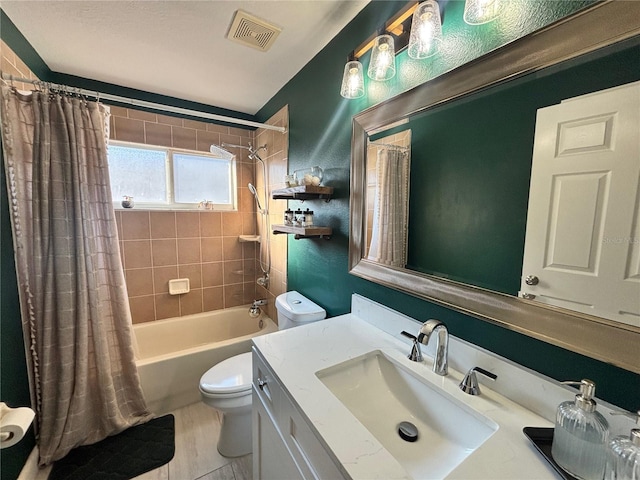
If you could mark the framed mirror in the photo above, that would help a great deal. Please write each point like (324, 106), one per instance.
(488, 295)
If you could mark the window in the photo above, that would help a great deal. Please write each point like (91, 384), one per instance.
(171, 179)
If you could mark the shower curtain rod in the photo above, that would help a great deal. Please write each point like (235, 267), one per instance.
(150, 105)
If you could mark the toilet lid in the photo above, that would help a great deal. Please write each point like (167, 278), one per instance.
(229, 376)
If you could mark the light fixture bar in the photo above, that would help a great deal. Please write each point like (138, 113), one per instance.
(393, 26)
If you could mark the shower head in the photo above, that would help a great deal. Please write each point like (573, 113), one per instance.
(218, 150)
(254, 192)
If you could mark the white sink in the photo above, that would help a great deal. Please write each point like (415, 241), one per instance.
(381, 393)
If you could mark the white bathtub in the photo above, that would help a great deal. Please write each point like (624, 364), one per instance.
(173, 354)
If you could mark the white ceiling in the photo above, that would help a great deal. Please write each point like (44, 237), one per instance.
(179, 48)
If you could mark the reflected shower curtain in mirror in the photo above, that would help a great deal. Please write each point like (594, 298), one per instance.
(75, 311)
(391, 206)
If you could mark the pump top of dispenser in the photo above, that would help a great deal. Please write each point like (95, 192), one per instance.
(584, 400)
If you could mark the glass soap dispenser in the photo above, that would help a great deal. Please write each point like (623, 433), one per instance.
(623, 456)
(581, 434)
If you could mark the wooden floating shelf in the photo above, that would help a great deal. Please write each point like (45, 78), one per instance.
(303, 192)
(303, 232)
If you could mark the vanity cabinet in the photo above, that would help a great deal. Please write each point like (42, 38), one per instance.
(284, 444)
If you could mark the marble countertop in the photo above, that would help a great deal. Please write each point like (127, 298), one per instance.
(296, 354)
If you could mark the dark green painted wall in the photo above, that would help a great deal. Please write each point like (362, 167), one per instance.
(320, 134)
(471, 163)
(14, 384)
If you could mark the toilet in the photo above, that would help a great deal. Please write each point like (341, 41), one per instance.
(227, 385)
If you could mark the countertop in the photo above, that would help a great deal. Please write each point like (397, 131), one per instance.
(296, 354)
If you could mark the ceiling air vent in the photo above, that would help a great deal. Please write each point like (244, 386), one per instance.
(252, 31)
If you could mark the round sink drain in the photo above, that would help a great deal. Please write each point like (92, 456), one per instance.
(408, 431)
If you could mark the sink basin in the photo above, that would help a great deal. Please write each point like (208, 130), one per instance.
(381, 393)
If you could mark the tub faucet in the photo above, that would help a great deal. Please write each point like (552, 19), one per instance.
(254, 310)
(440, 362)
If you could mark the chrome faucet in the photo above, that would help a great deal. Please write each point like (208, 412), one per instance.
(440, 362)
(254, 310)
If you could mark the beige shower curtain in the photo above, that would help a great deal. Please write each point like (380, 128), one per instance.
(391, 208)
(75, 312)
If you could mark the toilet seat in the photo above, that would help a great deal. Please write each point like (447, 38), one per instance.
(230, 378)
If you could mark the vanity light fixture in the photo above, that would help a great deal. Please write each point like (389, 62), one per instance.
(426, 30)
(477, 12)
(352, 79)
(382, 65)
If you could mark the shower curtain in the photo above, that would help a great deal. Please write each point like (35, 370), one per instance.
(391, 206)
(75, 312)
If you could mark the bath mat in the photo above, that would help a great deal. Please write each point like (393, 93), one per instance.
(124, 456)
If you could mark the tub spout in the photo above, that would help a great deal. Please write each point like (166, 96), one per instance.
(254, 310)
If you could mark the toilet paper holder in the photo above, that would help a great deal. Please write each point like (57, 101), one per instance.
(14, 423)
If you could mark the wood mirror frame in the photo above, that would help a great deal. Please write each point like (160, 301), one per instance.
(598, 26)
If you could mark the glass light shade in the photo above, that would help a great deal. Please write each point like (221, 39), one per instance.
(352, 80)
(383, 59)
(426, 30)
(477, 12)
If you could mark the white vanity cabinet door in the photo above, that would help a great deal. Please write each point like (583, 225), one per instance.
(271, 459)
(284, 445)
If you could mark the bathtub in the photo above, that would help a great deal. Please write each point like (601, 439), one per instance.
(172, 354)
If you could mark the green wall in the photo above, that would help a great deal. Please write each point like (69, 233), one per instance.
(320, 134)
(478, 188)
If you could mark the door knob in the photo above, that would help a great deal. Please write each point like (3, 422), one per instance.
(531, 280)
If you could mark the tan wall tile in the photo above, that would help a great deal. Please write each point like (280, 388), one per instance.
(142, 309)
(196, 124)
(231, 224)
(157, 134)
(193, 273)
(210, 224)
(139, 282)
(135, 225)
(249, 292)
(169, 120)
(249, 223)
(188, 224)
(191, 302)
(167, 306)
(163, 224)
(183, 138)
(164, 252)
(137, 253)
(142, 115)
(212, 299)
(188, 251)
(118, 111)
(211, 249)
(231, 249)
(233, 272)
(161, 277)
(205, 139)
(128, 130)
(212, 127)
(233, 139)
(212, 274)
(233, 295)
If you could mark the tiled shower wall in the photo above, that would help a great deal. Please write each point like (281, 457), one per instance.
(11, 64)
(157, 246)
(276, 158)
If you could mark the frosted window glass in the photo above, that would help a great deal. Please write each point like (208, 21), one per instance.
(197, 178)
(138, 173)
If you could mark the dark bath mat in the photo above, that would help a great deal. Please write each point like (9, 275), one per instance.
(124, 456)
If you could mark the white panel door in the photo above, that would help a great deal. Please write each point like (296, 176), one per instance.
(582, 244)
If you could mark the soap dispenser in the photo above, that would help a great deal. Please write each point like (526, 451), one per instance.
(623, 456)
(581, 434)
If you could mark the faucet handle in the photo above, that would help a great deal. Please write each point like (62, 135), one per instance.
(416, 353)
(470, 384)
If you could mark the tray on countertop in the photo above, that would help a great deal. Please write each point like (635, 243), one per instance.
(542, 439)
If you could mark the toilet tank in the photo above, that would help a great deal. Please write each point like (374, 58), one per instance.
(295, 309)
